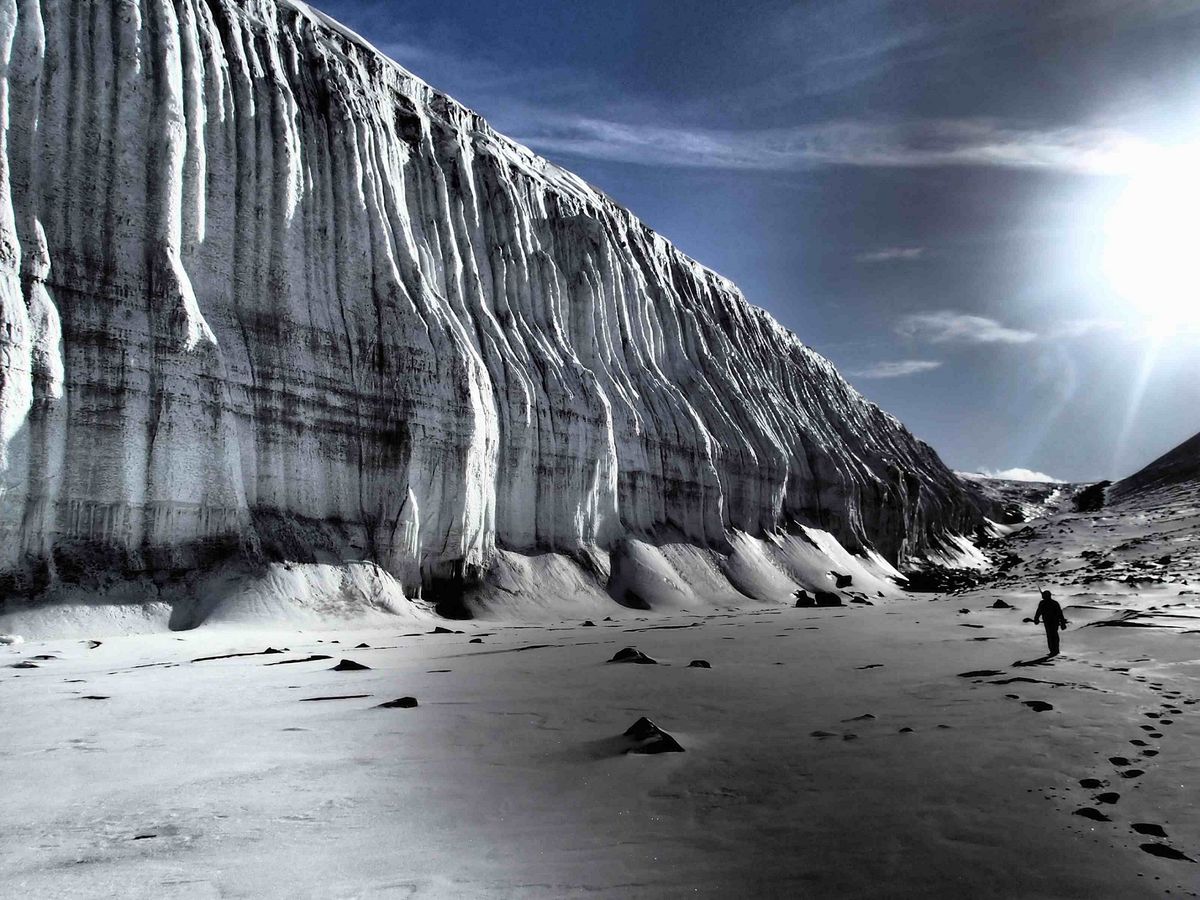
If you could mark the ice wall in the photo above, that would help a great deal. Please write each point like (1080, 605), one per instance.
(263, 291)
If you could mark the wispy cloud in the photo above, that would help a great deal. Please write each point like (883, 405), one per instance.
(920, 144)
(950, 327)
(896, 368)
(891, 254)
(1077, 328)
(839, 45)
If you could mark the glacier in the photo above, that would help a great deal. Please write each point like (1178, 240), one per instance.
(266, 295)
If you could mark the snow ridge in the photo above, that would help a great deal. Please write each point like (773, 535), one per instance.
(263, 291)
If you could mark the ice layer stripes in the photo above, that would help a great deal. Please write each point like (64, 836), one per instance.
(263, 289)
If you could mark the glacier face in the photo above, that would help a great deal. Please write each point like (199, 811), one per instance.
(264, 291)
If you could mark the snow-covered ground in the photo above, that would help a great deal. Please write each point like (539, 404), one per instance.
(232, 777)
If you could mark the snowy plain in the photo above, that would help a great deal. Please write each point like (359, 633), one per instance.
(229, 778)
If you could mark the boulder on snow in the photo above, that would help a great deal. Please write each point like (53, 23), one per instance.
(650, 738)
(399, 703)
(633, 655)
(349, 665)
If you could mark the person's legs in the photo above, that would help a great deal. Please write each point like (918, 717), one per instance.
(1052, 638)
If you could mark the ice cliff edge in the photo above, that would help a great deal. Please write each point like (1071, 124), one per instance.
(262, 291)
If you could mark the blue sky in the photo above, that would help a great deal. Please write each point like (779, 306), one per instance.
(923, 191)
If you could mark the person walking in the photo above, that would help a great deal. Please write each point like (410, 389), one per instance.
(1050, 614)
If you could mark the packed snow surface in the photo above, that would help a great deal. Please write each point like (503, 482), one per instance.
(263, 293)
(922, 746)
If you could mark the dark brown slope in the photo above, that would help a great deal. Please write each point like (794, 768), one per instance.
(1176, 467)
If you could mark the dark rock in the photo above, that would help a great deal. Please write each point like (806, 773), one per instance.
(1091, 783)
(440, 630)
(475, 641)
(1091, 498)
(1000, 604)
(633, 655)
(825, 598)
(1118, 760)
(26, 664)
(842, 581)
(804, 599)
(699, 664)
(861, 600)
(349, 665)
(664, 743)
(363, 647)
(905, 730)
(94, 697)
(1038, 705)
(1132, 773)
(270, 651)
(1108, 797)
(823, 734)
(287, 662)
(1094, 814)
(1165, 852)
(92, 645)
(642, 729)
(588, 623)
(399, 703)
(651, 738)
(980, 673)
(334, 697)
(938, 580)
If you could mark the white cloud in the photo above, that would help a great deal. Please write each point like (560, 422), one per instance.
(923, 143)
(951, 327)
(1076, 328)
(897, 368)
(1020, 474)
(891, 254)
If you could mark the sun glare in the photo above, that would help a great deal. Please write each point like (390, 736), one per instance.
(1152, 247)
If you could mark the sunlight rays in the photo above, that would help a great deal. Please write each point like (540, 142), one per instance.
(1152, 242)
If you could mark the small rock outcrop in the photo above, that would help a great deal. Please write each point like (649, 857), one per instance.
(650, 738)
(399, 703)
(633, 655)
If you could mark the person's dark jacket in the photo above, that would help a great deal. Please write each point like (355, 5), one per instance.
(1051, 612)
